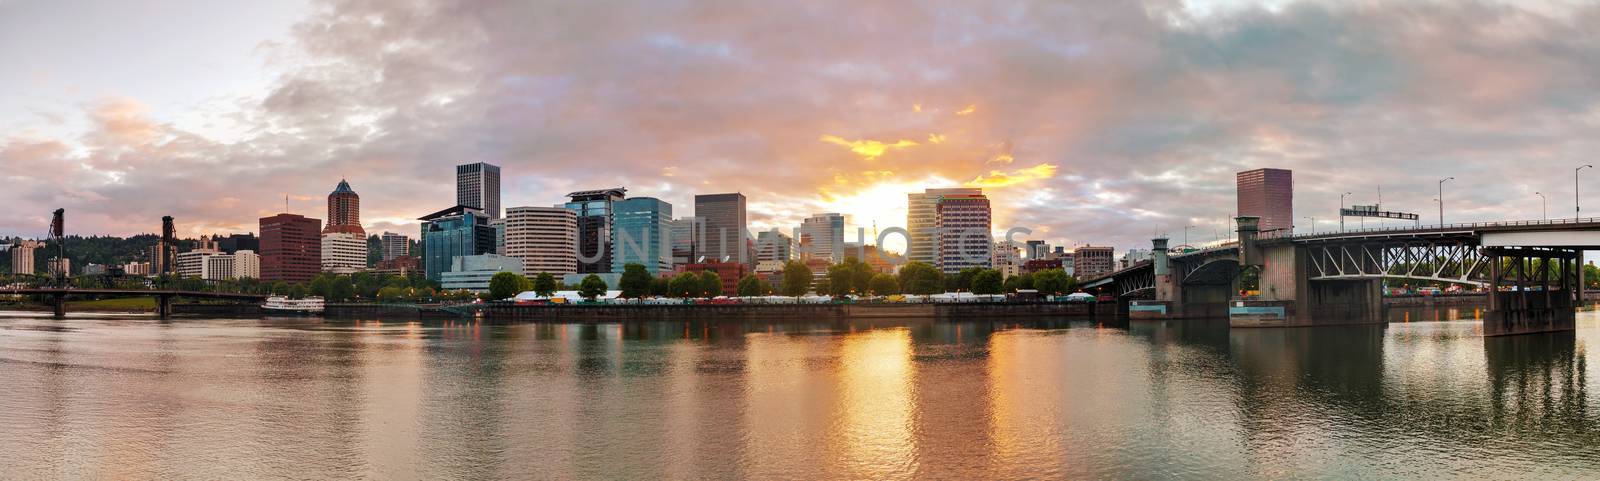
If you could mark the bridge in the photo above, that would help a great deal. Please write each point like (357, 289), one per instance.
(58, 296)
(1531, 270)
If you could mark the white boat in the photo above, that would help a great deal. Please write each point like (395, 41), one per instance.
(282, 305)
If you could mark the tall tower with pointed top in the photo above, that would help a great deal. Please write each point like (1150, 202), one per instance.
(344, 211)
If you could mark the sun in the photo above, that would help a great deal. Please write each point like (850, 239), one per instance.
(883, 204)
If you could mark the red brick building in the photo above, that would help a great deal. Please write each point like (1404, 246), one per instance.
(730, 272)
(291, 248)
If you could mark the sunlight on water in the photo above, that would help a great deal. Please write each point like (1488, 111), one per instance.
(1426, 396)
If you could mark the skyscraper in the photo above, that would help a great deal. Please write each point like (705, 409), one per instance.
(291, 249)
(822, 237)
(593, 208)
(545, 238)
(344, 242)
(641, 234)
(964, 239)
(724, 221)
(478, 187)
(22, 257)
(344, 210)
(1268, 194)
(687, 245)
(454, 232)
(922, 221)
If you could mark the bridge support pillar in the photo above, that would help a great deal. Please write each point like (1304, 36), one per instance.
(59, 304)
(163, 306)
(1168, 288)
(1532, 290)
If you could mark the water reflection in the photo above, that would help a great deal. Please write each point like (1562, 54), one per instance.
(137, 399)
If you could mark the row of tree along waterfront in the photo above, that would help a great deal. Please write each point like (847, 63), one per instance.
(851, 277)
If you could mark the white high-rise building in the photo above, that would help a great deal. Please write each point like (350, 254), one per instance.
(774, 246)
(922, 221)
(395, 245)
(822, 237)
(192, 263)
(238, 265)
(136, 268)
(22, 257)
(545, 239)
(343, 252)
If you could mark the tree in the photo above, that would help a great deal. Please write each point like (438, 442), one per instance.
(390, 294)
(661, 287)
(921, 279)
(298, 291)
(280, 288)
(962, 281)
(340, 289)
(544, 284)
(849, 277)
(635, 282)
(1020, 281)
(684, 285)
(1052, 281)
(710, 284)
(796, 279)
(591, 287)
(505, 285)
(987, 282)
(883, 285)
(319, 285)
(751, 286)
(823, 286)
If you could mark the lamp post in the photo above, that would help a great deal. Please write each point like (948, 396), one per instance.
(1441, 198)
(1313, 224)
(1341, 210)
(1186, 234)
(1577, 209)
(1544, 206)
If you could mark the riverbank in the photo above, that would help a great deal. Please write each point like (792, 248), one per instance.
(773, 312)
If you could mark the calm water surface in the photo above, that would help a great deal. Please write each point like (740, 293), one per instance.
(135, 398)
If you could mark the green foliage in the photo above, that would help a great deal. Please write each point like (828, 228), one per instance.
(962, 281)
(505, 285)
(1020, 281)
(823, 286)
(848, 277)
(545, 284)
(298, 291)
(921, 279)
(710, 284)
(661, 287)
(391, 294)
(796, 279)
(987, 281)
(883, 285)
(751, 285)
(684, 285)
(635, 282)
(1053, 281)
(591, 287)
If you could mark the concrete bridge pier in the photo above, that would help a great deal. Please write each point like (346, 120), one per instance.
(164, 306)
(1532, 290)
(1288, 296)
(1200, 290)
(58, 302)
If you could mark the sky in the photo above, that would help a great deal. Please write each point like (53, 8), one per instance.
(1092, 122)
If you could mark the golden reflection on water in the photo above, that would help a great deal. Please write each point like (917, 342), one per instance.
(871, 434)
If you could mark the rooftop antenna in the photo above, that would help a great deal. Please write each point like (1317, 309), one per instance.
(285, 203)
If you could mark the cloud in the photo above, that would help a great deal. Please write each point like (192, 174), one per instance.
(1121, 110)
(868, 149)
(996, 178)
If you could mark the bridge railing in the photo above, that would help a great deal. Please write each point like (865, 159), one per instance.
(1429, 228)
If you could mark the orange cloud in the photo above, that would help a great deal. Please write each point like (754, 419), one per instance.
(867, 149)
(996, 178)
(967, 111)
(936, 138)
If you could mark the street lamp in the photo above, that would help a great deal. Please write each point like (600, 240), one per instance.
(1441, 198)
(1544, 206)
(1341, 210)
(1577, 210)
(1313, 224)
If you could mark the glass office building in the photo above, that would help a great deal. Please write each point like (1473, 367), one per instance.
(641, 233)
(453, 232)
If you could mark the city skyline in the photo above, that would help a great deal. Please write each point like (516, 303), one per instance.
(1145, 115)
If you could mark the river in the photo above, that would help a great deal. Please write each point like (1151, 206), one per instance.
(120, 397)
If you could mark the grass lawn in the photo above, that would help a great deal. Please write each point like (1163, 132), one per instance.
(115, 304)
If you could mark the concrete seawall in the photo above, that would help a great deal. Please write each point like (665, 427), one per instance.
(775, 312)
